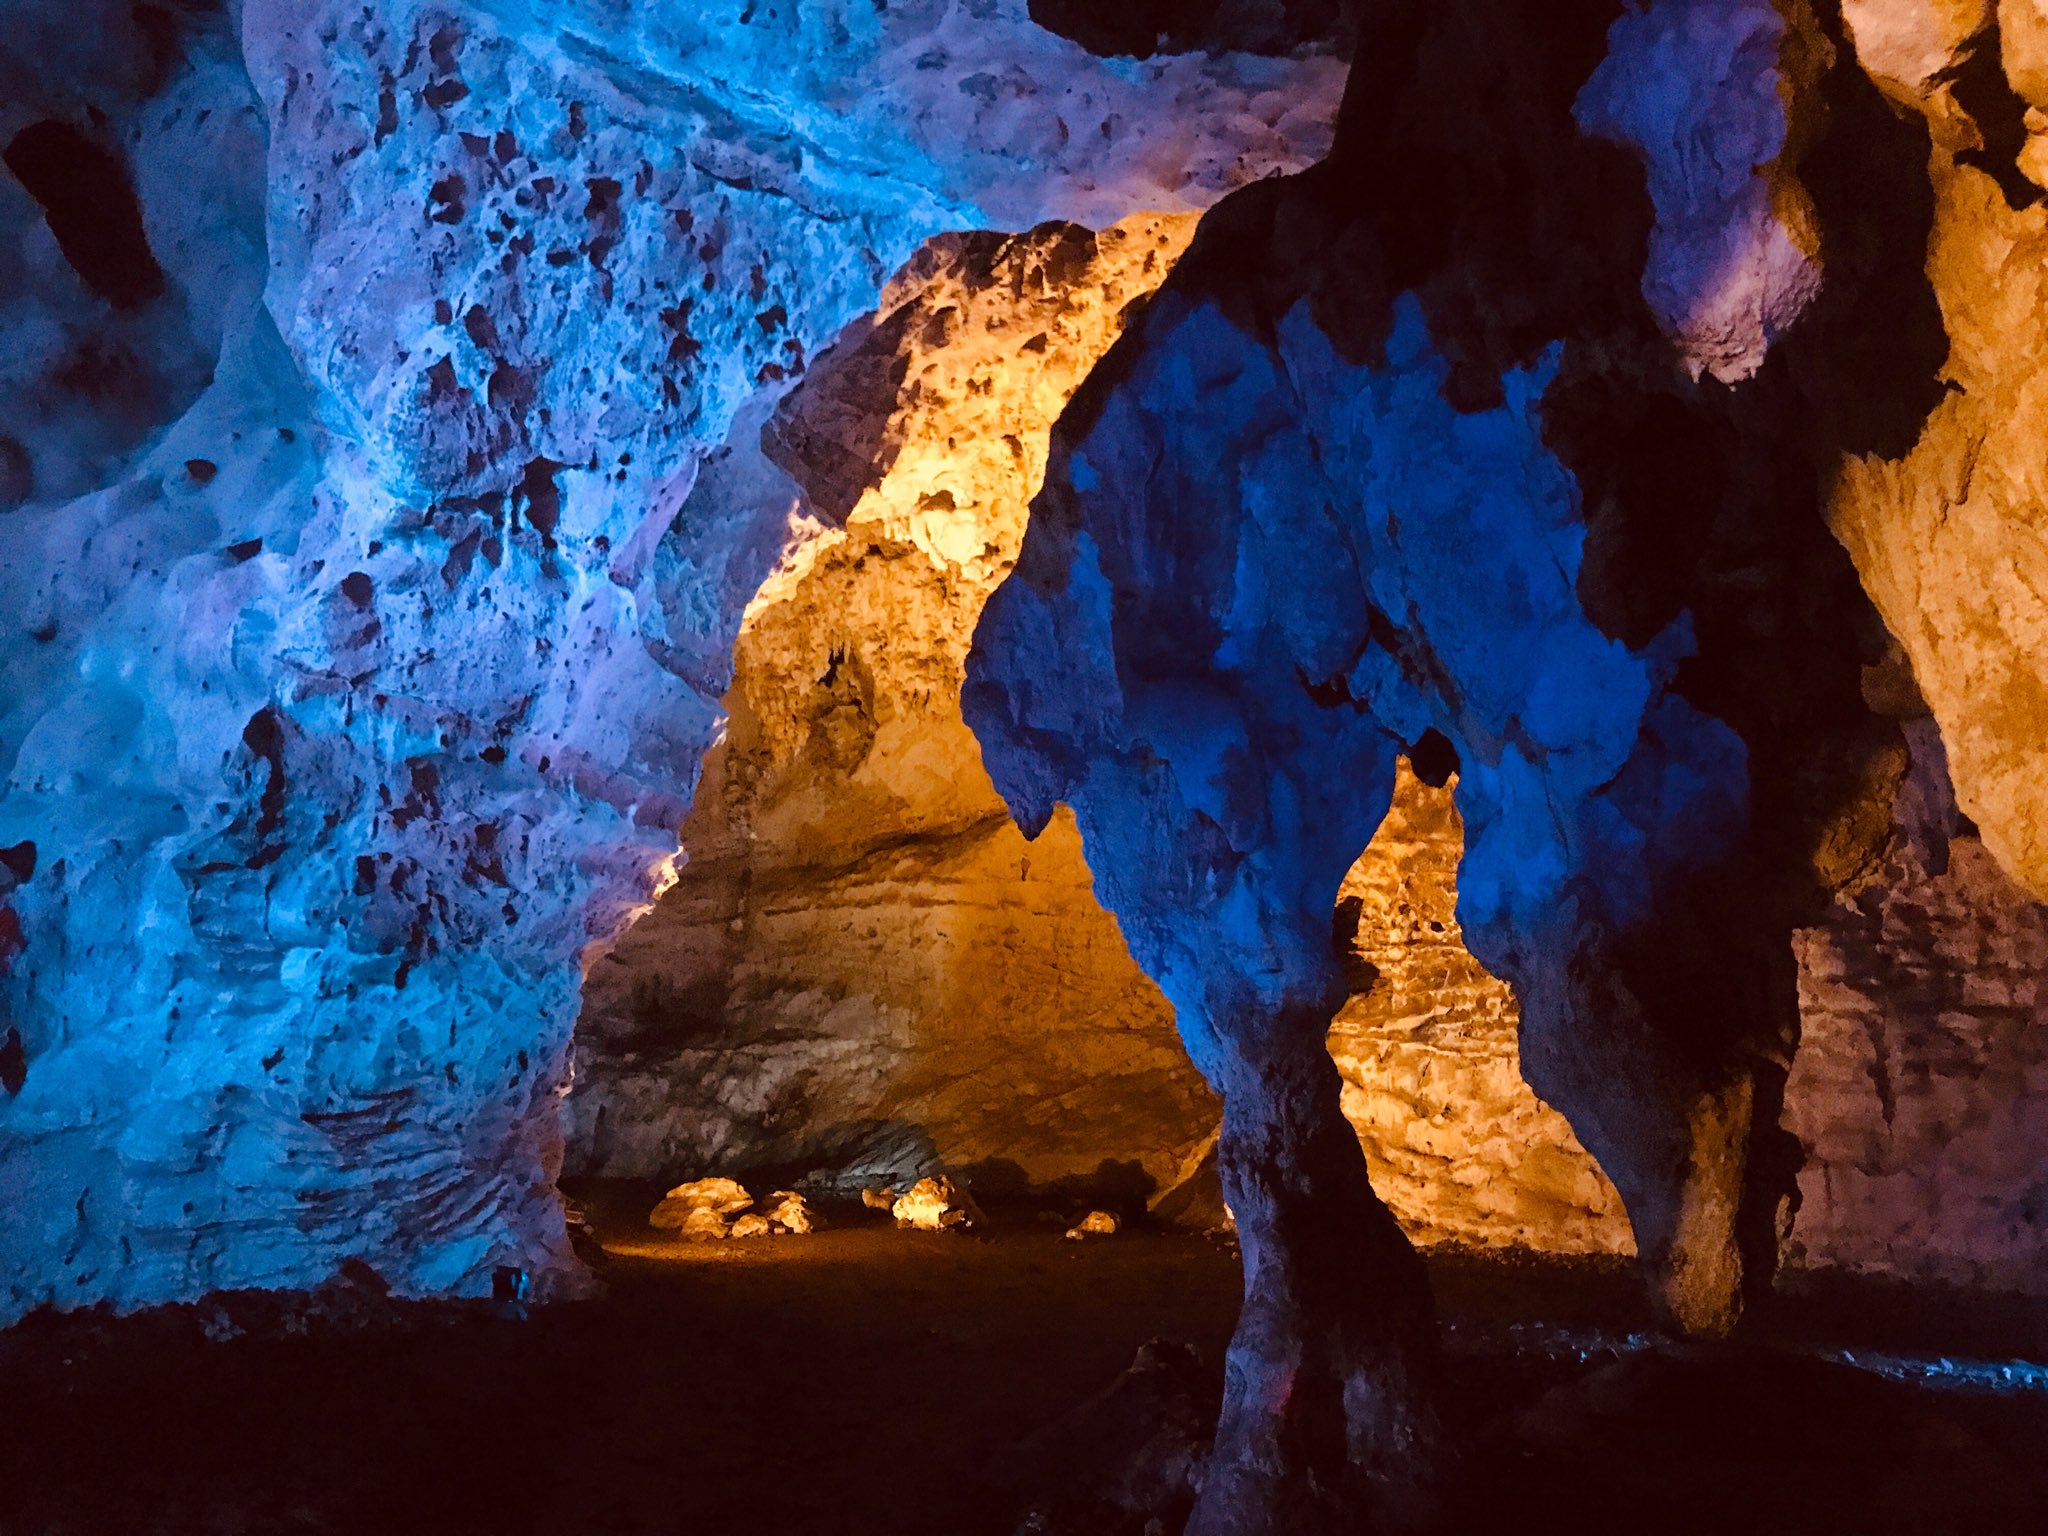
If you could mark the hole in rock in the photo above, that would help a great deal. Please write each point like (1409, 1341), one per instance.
(89, 200)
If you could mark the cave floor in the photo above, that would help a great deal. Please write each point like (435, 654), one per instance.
(866, 1380)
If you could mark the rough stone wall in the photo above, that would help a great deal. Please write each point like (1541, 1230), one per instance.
(740, 1008)
(1459, 1146)
(863, 968)
(1951, 538)
(372, 573)
(1921, 1085)
(1919, 1091)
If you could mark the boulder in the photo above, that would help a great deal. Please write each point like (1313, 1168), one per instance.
(789, 1212)
(722, 1197)
(937, 1205)
(703, 1225)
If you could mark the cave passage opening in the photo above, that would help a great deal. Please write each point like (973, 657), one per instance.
(863, 973)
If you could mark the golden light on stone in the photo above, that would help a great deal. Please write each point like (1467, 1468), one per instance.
(1460, 1147)
(853, 902)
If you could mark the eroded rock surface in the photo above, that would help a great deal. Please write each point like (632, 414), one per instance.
(937, 1204)
(1916, 1092)
(1412, 451)
(1460, 1148)
(722, 1197)
(863, 968)
(364, 636)
(1921, 1085)
(1950, 537)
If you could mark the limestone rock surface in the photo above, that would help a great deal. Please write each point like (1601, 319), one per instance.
(937, 1204)
(789, 1212)
(723, 1197)
(1949, 536)
(363, 635)
(1412, 453)
(863, 967)
(1920, 1089)
(1094, 1224)
(703, 1224)
(1916, 1090)
(1459, 1146)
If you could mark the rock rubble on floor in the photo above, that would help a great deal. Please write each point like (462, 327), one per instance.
(709, 1210)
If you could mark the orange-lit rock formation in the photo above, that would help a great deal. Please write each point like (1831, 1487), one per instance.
(1460, 1147)
(863, 964)
(1951, 540)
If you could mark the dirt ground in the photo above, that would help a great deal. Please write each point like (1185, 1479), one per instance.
(874, 1382)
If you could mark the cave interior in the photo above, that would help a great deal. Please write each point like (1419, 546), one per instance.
(1232, 767)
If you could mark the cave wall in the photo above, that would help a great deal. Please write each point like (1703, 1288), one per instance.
(1920, 1089)
(369, 601)
(863, 969)
(384, 498)
(1459, 1146)
(1916, 1092)
(1688, 370)
(1948, 536)
(793, 974)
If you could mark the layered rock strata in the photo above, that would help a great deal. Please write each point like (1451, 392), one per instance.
(863, 971)
(1459, 1147)
(1921, 1086)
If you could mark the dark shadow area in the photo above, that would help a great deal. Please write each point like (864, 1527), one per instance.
(873, 1382)
(86, 195)
(1981, 89)
(1141, 28)
(1121, 1188)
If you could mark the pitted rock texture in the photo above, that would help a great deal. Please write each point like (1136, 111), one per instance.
(863, 969)
(1460, 1148)
(367, 615)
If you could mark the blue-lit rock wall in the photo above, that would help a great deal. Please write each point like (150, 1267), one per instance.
(362, 634)
(1369, 474)
(1500, 436)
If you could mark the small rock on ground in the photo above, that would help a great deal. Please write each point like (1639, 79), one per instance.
(704, 1225)
(788, 1211)
(1094, 1224)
